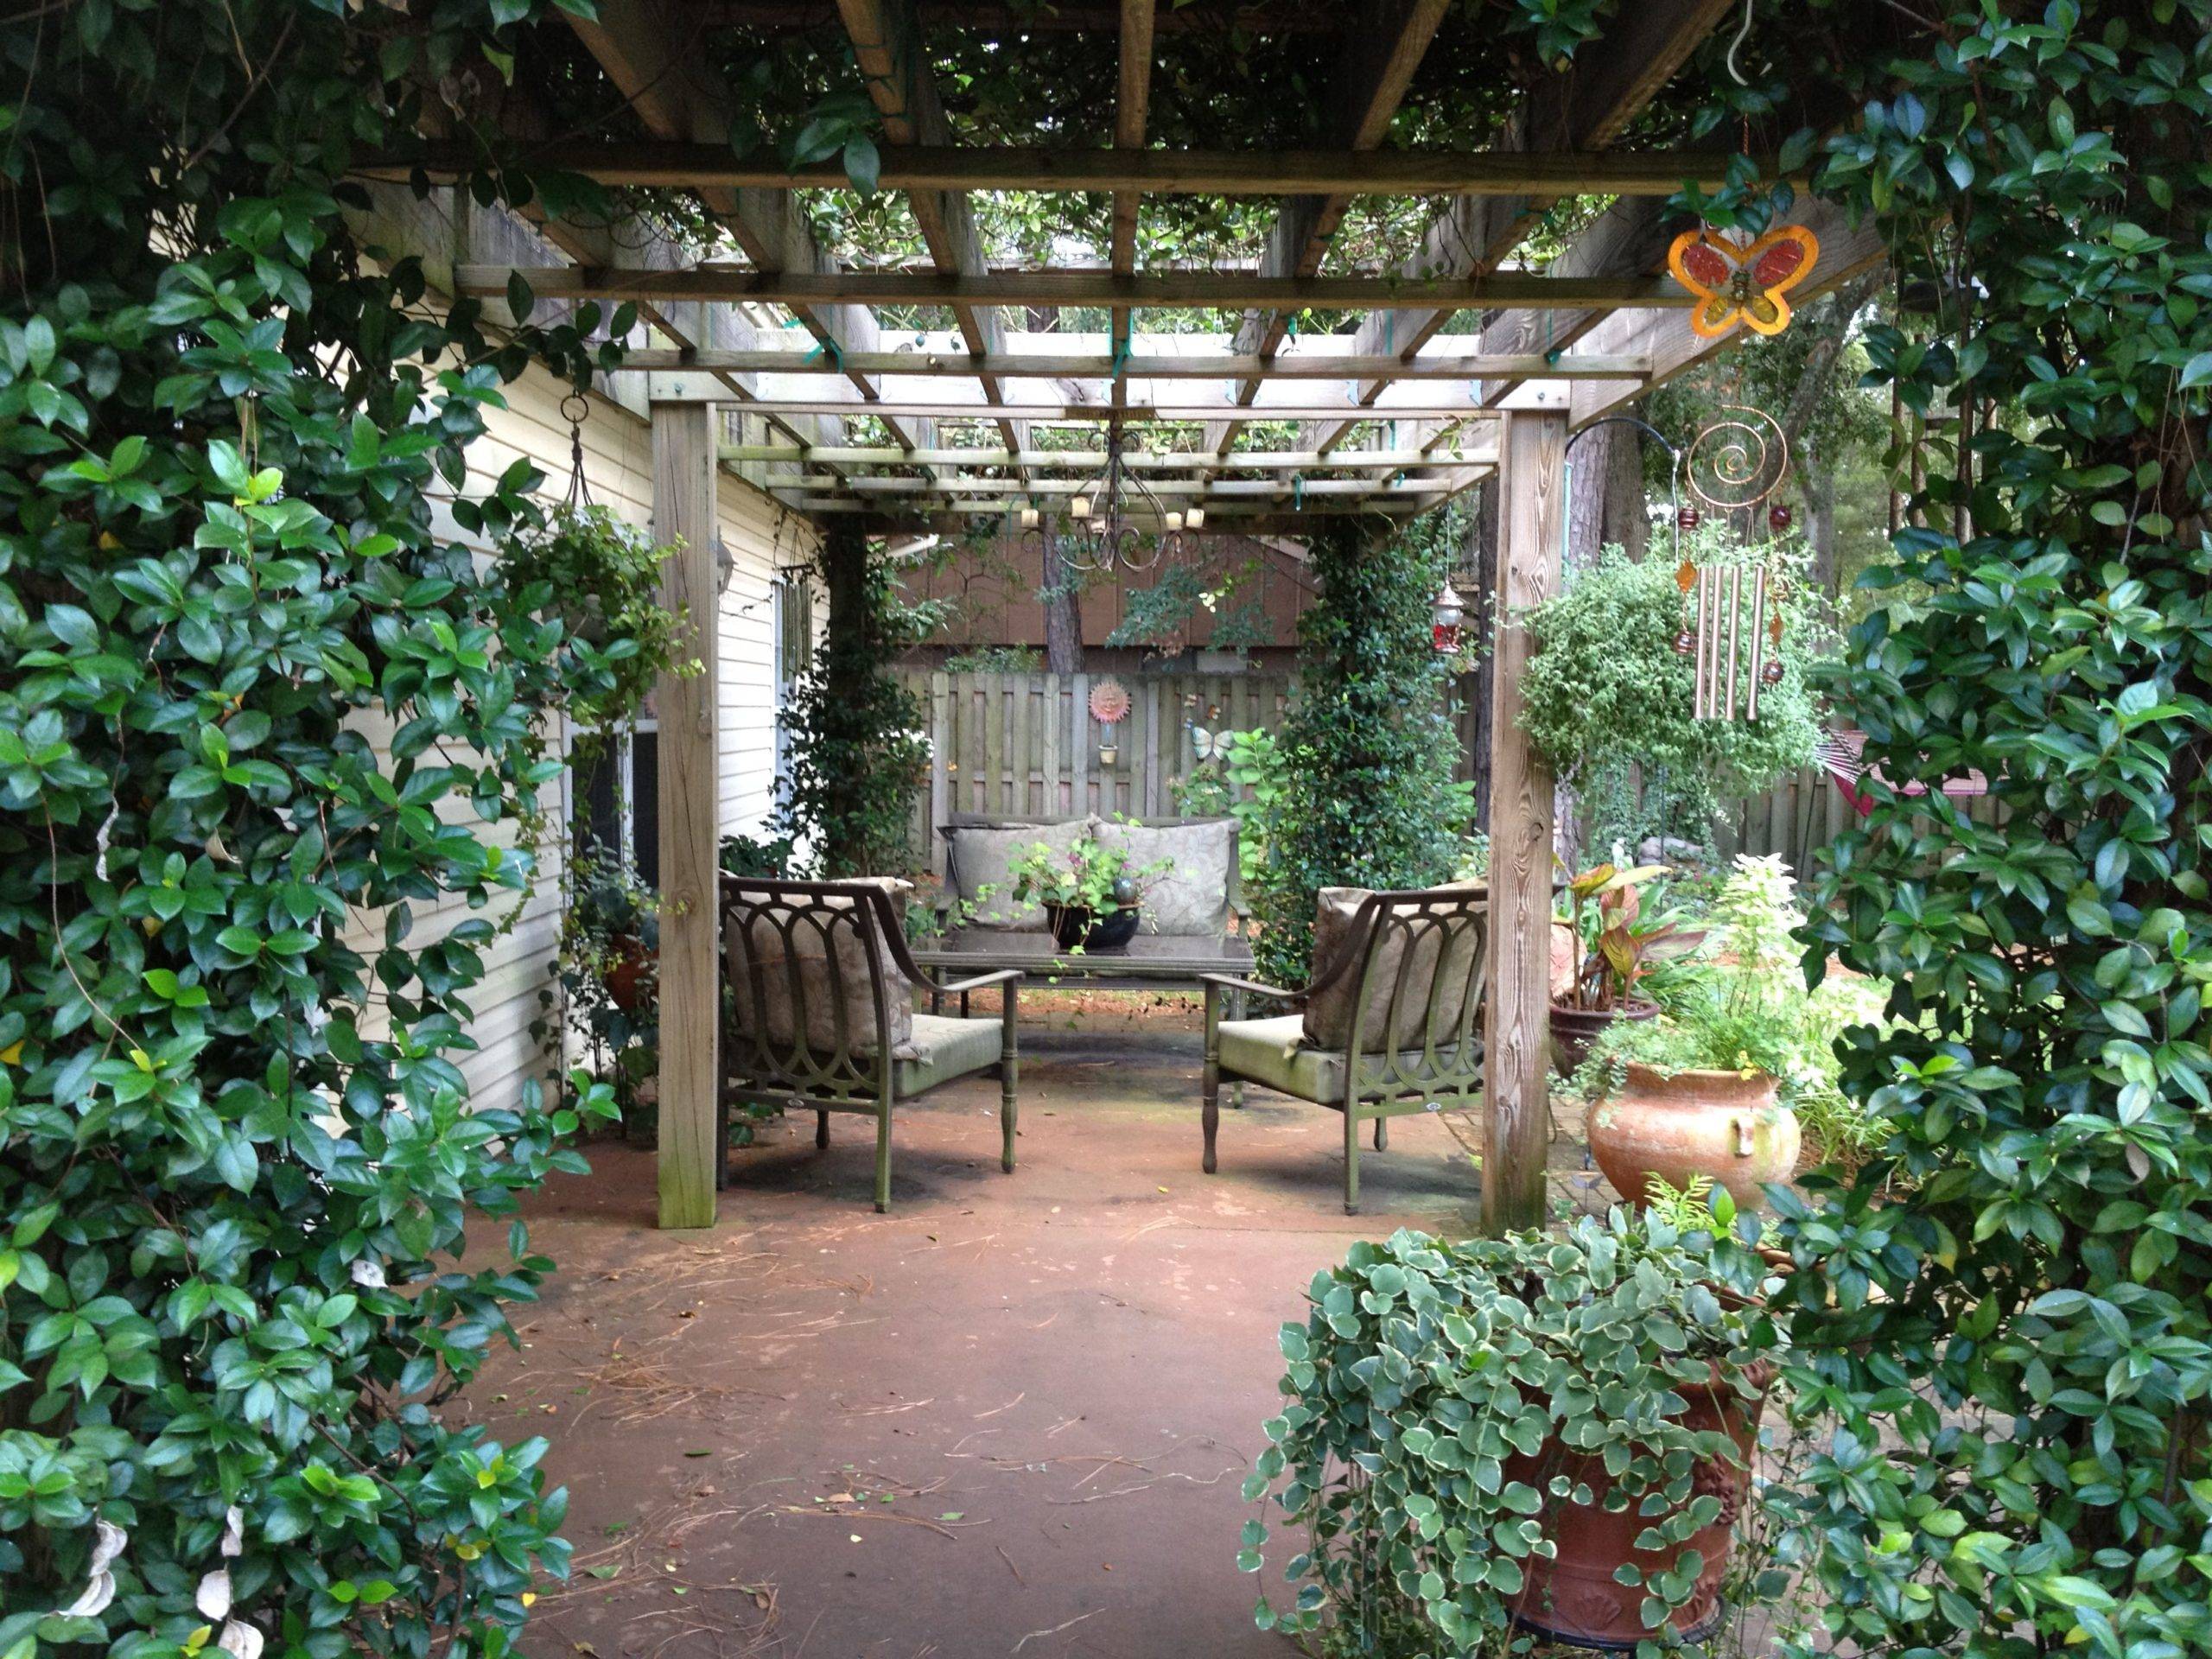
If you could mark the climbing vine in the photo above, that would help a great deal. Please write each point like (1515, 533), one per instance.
(260, 716)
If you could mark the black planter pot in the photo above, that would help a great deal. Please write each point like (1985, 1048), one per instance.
(1575, 1029)
(1077, 927)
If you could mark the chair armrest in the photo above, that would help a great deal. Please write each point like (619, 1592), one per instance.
(996, 976)
(1230, 982)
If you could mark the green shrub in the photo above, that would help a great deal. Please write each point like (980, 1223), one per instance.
(233, 1146)
(1607, 688)
(1424, 1372)
(1368, 798)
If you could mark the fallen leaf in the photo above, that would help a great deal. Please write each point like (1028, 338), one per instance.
(704, 1452)
(951, 1515)
(606, 1572)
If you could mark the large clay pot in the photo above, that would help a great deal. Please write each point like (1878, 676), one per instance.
(624, 975)
(1575, 1029)
(1717, 1124)
(1574, 1597)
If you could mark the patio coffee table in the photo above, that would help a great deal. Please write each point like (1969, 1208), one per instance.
(1150, 961)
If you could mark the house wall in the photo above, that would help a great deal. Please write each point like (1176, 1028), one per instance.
(762, 537)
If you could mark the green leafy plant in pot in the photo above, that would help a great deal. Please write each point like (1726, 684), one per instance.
(1093, 897)
(1697, 1091)
(1618, 946)
(1547, 1434)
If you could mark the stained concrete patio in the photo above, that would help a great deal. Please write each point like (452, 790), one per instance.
(1010, 1417)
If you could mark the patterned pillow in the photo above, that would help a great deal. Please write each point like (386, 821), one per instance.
(1189, 899)
(783, 954)
(981, 855)
(1329, 1012)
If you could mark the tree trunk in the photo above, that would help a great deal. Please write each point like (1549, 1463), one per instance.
(1062, 595)
(1626, 522)
(1588, 466)
(1817, 479)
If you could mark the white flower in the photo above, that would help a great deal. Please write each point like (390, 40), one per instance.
(240, 1640)
(94, 1601)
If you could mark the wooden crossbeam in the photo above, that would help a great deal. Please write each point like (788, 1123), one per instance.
(1383, 44)
(1224, 366)
(1000, 19)
(1253, 517)
(676, 389)
(658, 164)
(1206, 491)
(1092, 461)
(1187, 289)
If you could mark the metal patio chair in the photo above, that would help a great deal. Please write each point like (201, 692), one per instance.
(1390, 1025)
(818, 1013)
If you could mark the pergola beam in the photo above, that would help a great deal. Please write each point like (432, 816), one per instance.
(1194, 367)
(678, 98)
(887, 43)
(1566, 118)
(1208, 491)
(1305, 226)
(668, 164)
(1167, 289)
(1132, 108)
(1257, 460)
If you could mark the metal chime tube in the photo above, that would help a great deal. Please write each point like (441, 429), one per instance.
(1735, 631)
(1702, 670)
(1758, 642)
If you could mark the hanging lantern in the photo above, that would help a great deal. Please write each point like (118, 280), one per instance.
(1029, 519)
(1450, 611)
(1195, 518)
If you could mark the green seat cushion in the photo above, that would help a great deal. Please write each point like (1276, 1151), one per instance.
(945, 1048)
(1274, 1052)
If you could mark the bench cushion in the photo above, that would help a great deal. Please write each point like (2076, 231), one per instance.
(945, 1048)
(981, 855)
(1190, 898)
(1274, 1052)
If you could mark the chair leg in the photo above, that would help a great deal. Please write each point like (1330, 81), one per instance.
(1009, 1068)
(882, 1159)
(1210, 1111)
(1382, 1135)
(820, 1130)
(1238, 1001)
(1351, 1161)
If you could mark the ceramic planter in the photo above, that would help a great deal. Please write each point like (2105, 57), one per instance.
(626, 975)
(1575, 1029)
(1575, 1597)
(1721, 1124)
(1079, 927)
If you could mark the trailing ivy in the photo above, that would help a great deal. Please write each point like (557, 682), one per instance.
(232, 1144)
(2010, 1302)
(1369, 799)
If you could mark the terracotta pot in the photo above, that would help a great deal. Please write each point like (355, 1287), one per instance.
(625, 976)
(1574, 1597)
(1717, 1124)
(1575, 1029)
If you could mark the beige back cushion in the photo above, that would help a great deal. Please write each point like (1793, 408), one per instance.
(821, 964)
(1329, 1012)
(982, 855)
(1189, 899)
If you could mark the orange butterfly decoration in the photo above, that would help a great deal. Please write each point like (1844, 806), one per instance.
(1737, 283)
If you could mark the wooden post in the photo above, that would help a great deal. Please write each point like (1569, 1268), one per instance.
(1518, 1033)
(684, 511)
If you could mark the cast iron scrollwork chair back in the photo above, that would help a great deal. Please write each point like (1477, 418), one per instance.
(817, 1012)
(1404, 993)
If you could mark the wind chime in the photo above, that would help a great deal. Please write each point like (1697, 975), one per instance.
(1732, 613)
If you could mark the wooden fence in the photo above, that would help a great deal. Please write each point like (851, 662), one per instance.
(1024, 746)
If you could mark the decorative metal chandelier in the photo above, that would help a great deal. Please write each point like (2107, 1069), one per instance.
(1099, 532)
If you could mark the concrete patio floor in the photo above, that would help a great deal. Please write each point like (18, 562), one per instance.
(1010, 1417)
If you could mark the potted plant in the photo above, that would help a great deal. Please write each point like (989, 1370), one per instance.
(1616, 946)
(1093, 897)
(1705, 1087)
(1551, 1432)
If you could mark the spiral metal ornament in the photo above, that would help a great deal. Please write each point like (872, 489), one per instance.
(1737, 459)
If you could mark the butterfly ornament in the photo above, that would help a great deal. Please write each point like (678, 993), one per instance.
(1208, 744)
(1746, 282)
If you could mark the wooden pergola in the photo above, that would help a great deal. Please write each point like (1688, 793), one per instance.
(983, 418)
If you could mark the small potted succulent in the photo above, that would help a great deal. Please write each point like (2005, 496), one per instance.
(1548, 1432)
(1616, 946)
(1093, 897)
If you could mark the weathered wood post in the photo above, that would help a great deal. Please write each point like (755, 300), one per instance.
(1517, 1035)
(685, 512)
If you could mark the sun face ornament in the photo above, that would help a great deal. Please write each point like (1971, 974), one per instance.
(1745, 282)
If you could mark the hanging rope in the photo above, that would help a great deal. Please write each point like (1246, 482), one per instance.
(575, 408)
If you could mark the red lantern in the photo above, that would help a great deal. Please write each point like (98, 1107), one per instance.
(1444, 619)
